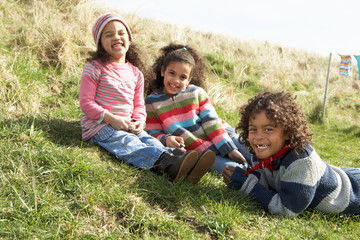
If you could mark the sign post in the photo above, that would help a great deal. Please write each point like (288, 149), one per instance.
(326, 86)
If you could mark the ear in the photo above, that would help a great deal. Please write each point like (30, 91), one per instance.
(162, 71)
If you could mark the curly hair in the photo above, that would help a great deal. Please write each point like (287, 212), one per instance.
(281, 108)
(180, 53)
(132, 55)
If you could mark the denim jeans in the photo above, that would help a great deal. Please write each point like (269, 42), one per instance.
(221, 161)
(141, 150)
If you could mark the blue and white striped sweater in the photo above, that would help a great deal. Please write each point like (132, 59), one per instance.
(299, 182)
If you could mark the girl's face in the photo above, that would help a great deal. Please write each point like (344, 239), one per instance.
(115, 40)
(265, 136)
(176, 77)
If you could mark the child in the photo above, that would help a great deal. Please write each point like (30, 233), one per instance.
(112, 99)
(181, 114)
(290, 176)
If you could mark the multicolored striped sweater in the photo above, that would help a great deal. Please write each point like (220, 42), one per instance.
(345, 65)
(190, 115)
(114, 87)
(299, 182)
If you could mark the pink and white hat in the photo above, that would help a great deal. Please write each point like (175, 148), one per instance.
(101, 23)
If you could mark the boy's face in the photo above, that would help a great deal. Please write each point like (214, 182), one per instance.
(176, 77)
(265, 136)
(115, 40)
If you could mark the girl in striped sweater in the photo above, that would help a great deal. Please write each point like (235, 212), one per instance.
(289, 176)
(179, 111)
(112, 99)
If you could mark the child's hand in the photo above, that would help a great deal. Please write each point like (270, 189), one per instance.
(227, 173)
(136, 127)
(236, 156)
(117, 122)
(175, 142)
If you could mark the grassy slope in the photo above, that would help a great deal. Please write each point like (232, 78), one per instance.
(55, 186)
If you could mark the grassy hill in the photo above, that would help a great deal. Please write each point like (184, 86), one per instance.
(54, 186)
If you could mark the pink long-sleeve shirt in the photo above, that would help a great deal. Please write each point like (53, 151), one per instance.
(114, 87)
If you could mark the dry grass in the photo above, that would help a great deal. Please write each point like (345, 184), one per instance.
(276, 67)
(10, 91)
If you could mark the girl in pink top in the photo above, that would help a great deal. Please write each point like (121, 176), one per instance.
(112, 99)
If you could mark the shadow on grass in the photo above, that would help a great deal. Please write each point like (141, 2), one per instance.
(353, 130)
(59, 131)
(67, 133)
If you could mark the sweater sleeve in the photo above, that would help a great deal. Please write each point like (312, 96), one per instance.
(153, 122)
(212, 125)
(139, 112)
(88, 86)
(294, 191)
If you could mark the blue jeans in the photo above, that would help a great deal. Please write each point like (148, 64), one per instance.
(221, 161)
(141, 150)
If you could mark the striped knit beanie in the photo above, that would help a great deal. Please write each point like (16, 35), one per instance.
(101, 23)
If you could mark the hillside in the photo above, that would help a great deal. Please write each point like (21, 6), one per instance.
(57, 35)
(54, 186)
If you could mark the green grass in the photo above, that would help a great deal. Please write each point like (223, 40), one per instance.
(338, 143)
(54, 186)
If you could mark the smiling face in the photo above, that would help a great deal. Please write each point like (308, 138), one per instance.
(176, 77)
(115, 40)
(266, 137)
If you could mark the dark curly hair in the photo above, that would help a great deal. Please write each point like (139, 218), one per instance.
(132, 55)
(281, 108)
(180, 53)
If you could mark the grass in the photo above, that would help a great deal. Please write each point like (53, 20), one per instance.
(59, 187)
(54, 186)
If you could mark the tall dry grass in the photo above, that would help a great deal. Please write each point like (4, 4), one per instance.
(57, 34)
(280, 67)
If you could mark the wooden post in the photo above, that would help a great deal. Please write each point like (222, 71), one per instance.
(326, 86)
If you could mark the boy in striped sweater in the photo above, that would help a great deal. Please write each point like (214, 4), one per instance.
(112, 99)
(289, 176)
(179, 111)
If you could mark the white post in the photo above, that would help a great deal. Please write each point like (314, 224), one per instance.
(326, 86)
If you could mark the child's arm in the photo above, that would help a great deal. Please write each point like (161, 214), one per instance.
(139, 112)
(295, 191)
(154, 128)
(117, 122)
(88, 86)
(153, 124)
(137, 124)
(212, 125)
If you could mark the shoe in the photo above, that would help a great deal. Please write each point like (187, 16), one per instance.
(204, 164)
(176, 166)
(178, 151)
